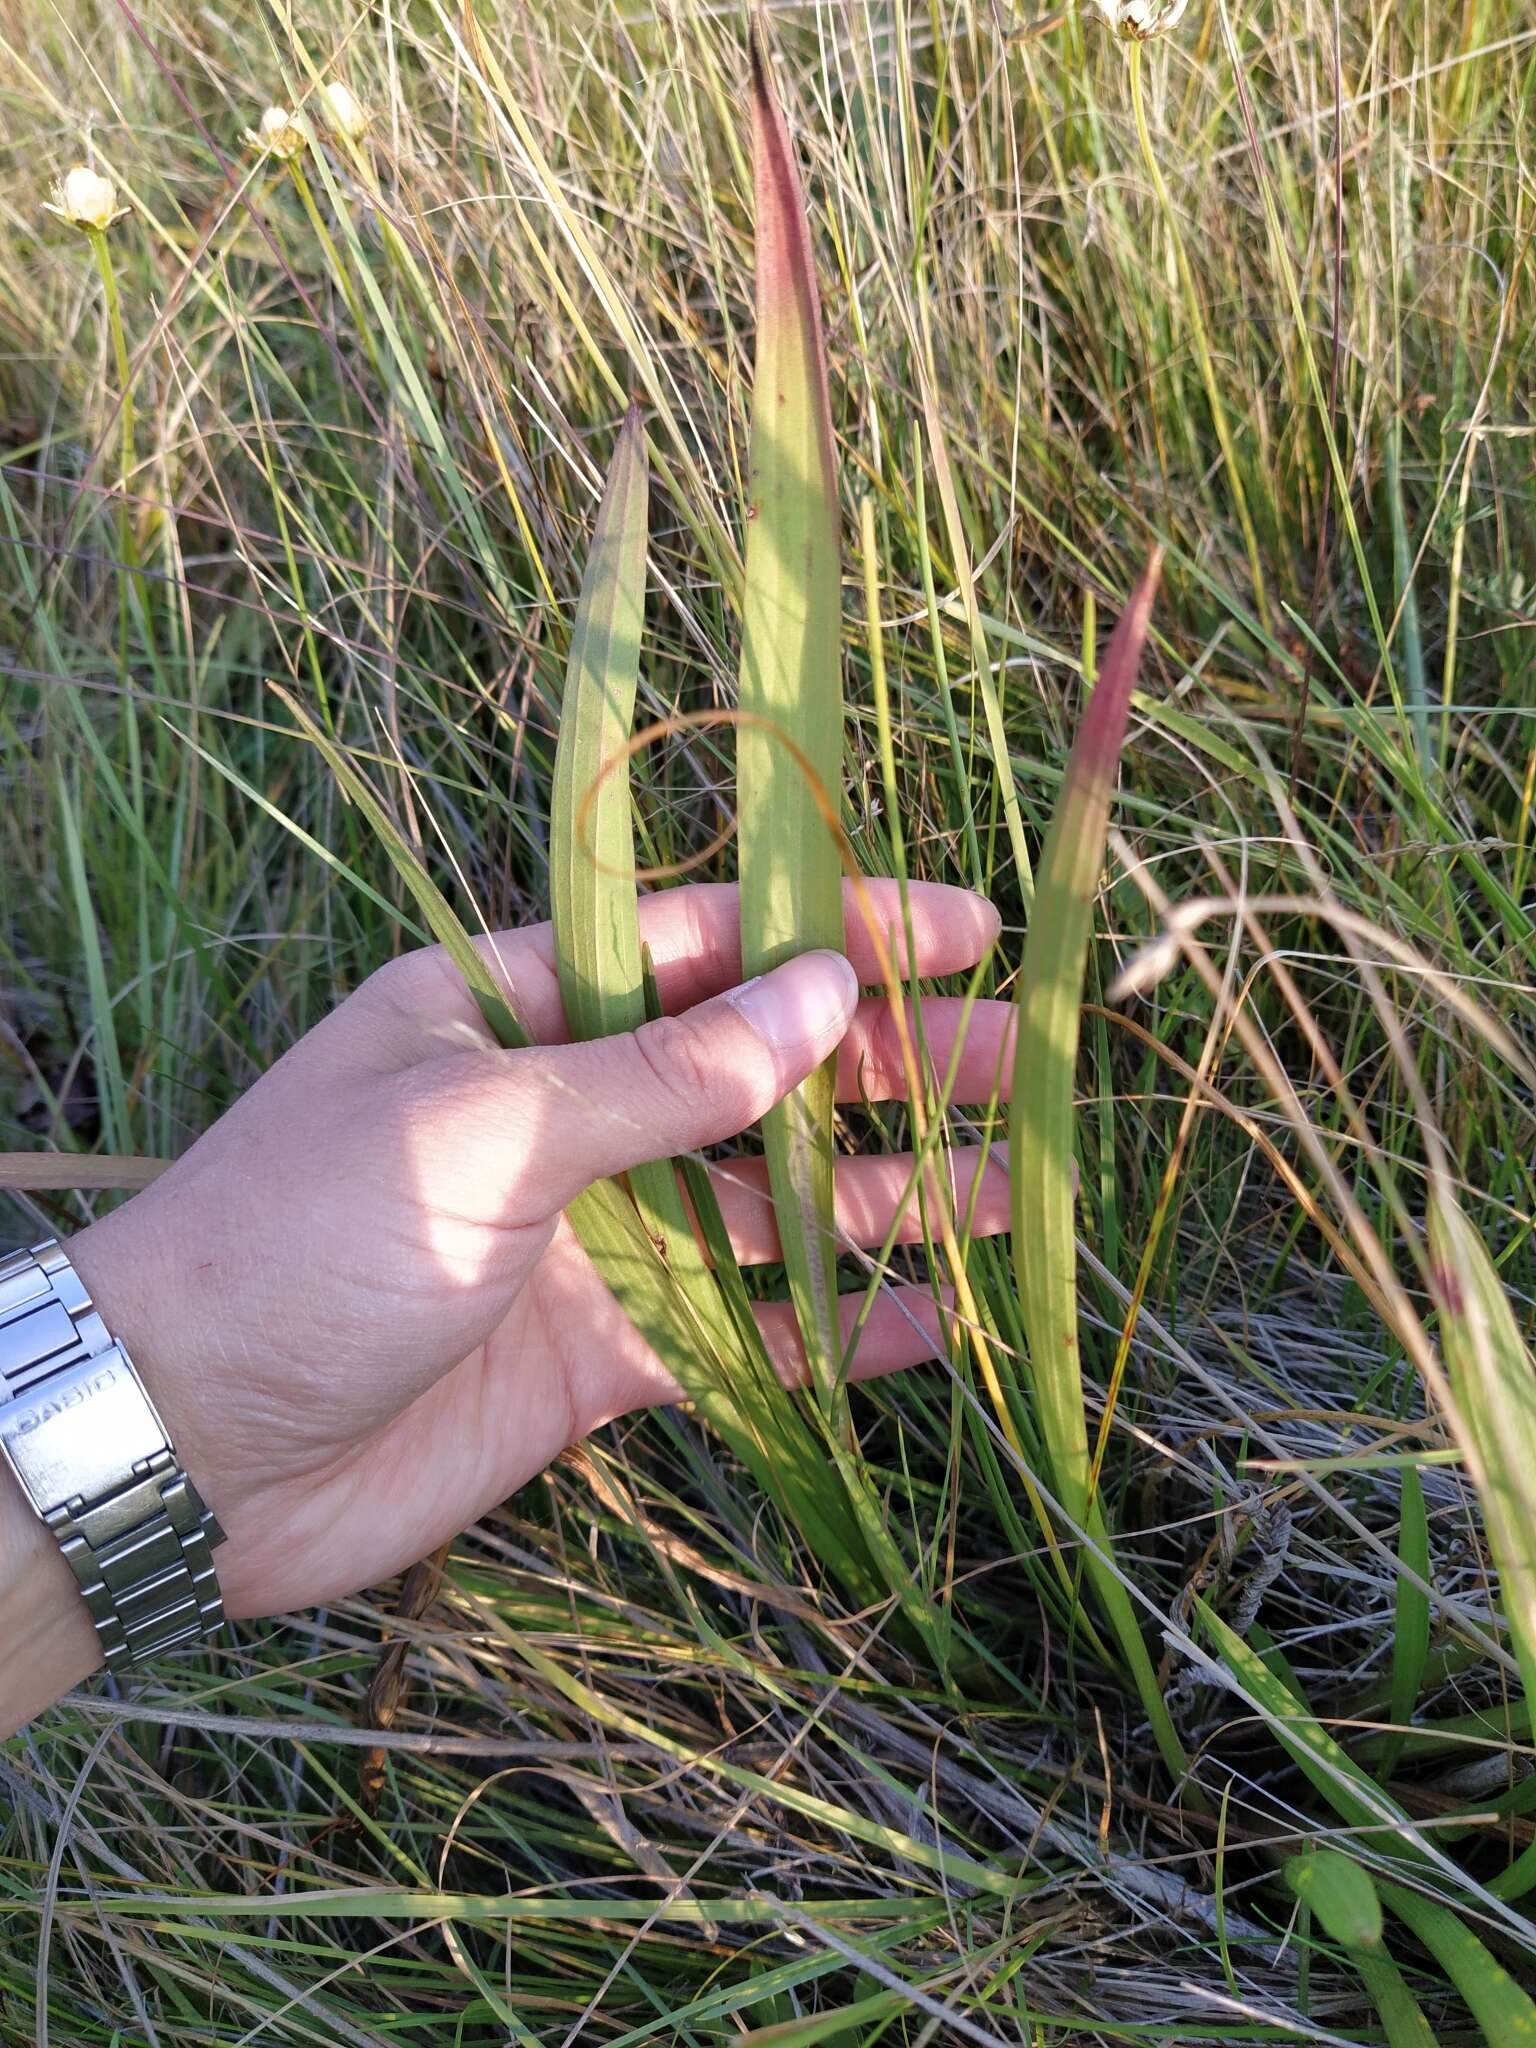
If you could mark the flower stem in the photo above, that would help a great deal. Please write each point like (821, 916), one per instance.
(129, 583)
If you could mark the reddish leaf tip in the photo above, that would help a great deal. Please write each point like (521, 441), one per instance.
(1103, 728)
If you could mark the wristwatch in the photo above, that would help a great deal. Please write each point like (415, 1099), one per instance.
(93, 1457)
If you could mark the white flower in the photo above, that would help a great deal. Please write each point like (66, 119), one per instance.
(345, 111)
(278, 134)
(1138, 19)
(86, 200)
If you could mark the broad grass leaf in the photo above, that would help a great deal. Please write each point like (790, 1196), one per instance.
(791, 679)
(1049, 1005)
(1043, 1121)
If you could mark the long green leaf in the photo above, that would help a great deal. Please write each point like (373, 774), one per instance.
(791, 683)
(1050, 994)
(591, 837)
(1043, 1121)
(593, 894)
(106, 1055)
(1410, 1630)
(1342, 1894)
(1351, 1792)
(1401, 2017)
(1502, 2010)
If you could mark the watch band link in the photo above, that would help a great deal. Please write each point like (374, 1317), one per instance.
(94, 1459)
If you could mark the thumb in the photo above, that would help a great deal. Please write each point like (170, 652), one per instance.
(584, 1112)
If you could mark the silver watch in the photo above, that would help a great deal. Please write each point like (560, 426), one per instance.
(94, 1459)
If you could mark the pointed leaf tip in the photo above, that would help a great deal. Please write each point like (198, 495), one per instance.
(788, 302)
(1103, 723)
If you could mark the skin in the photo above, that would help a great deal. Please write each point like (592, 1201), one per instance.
(355, 1300)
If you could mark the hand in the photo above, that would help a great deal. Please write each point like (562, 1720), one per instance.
(355, 1299)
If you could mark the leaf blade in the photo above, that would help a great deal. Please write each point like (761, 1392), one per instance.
(791, 682)
(591, 837)
(1049, 1005)
(1043, 1123)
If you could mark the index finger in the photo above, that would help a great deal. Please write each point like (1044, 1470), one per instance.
(694, 936)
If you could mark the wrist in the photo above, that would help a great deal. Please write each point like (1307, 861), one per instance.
(164, 1303)
(50, 1640)
(137, 1293)
(103, 1534)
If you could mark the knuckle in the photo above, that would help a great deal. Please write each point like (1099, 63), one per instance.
(686, 1066)
(399, 983)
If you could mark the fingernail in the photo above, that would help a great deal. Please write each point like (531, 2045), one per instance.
(801, 1003)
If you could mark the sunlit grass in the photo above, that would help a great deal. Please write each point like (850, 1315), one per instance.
(351, 444)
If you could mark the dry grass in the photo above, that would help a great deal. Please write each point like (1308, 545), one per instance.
(648, 1780)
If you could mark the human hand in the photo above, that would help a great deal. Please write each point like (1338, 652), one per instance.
(355, 1299)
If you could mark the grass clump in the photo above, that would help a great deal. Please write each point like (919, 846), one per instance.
(662, 1770)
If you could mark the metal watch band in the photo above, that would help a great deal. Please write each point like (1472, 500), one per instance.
(93, 1457)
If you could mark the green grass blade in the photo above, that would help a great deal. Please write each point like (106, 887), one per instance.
(1410, 1632)
(591, 839)
(1353, 1795)
(106, 1057)
(981, 656)
(593, 893)
(1044, 1117)
(1493, 1379)
(1402, 2019)
(1503, 2011)
(1043, 1121)
(1415, 685)
(839, 2027)
(1342, 1895)
(791, 683)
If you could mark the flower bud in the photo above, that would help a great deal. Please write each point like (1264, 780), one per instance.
(278, 135)
(1138, 19)
(86, 200)
(345, 111)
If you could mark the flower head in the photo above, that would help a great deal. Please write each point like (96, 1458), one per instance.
(1138, 19)
(345, 111)
(86, 200)
(278, 134)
